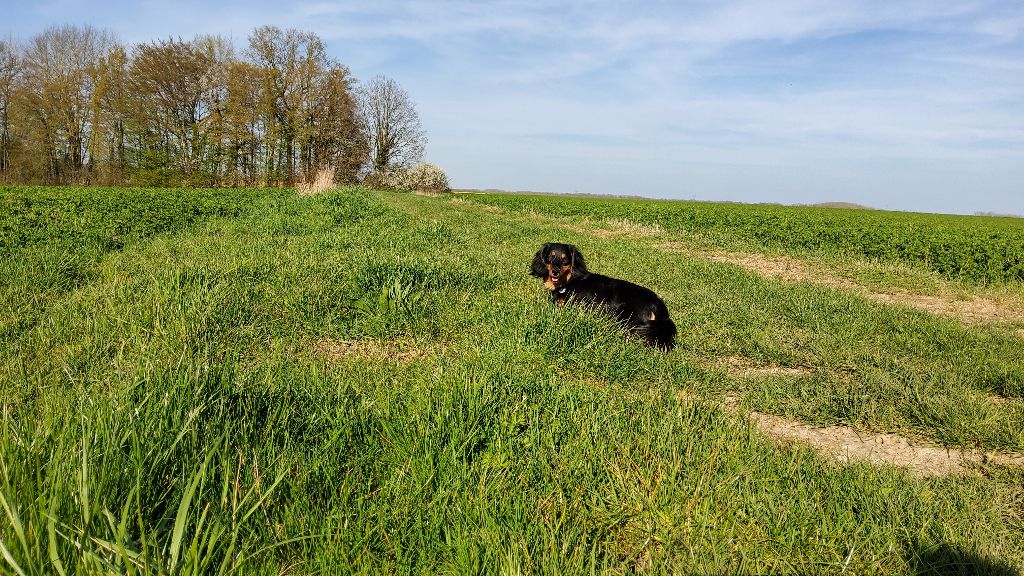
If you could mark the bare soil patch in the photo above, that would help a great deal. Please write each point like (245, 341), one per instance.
(748, 368)
(846, 444)
(398, 350)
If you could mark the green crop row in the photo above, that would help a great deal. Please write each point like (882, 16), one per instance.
(108, 217)
(978, 249)
(52, 239)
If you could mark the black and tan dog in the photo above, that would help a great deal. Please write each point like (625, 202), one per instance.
(565, 274)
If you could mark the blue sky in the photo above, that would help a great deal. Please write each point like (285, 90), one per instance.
(897, 104)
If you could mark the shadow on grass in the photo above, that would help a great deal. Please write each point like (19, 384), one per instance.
(947, 560)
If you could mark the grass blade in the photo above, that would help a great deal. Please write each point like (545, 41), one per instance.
(19, 530)
(51, 546)
(10, 559)
(182, 516)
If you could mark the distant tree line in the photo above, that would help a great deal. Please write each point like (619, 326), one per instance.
(78, 107)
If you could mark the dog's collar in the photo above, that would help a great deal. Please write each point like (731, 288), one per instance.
(562, 290)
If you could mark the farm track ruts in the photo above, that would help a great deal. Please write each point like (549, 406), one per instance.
(974, 309)
(845, 444)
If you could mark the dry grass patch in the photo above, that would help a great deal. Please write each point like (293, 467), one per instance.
(748, 368)
(1004, 400)
(393, 350)
(635, 228)
(616, 229)
(475, 205)
(322, 181)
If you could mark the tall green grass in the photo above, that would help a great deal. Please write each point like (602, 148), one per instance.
(173, 412)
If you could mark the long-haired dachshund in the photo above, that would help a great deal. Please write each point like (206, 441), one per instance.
(565, 274)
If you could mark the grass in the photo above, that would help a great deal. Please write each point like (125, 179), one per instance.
(169, 408)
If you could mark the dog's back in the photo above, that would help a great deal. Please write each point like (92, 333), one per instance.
(565, 274)
(639, 308)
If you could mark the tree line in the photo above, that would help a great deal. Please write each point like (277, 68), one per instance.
(79, 107)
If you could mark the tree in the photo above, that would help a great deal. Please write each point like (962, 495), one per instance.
(215, 132)
(392, 126)
(243, 127)
(55, 93)
(10, 65)
(75, 107)
(306, 107)
(331, 135)
(108, 112)
(169, 81)
(290, 61)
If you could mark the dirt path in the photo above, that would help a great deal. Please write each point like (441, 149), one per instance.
(974, 309)
(848, 445)
(845, 444)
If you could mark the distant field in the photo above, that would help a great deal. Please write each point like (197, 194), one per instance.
(983, 249)
(214, 381)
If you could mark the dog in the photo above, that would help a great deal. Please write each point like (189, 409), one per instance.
(565, 274)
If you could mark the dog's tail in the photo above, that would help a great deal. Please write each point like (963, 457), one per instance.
(662, 333)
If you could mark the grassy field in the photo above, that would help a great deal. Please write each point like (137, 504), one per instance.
(364, 382)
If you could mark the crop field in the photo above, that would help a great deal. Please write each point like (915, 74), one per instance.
(249, 381)
(977, 249)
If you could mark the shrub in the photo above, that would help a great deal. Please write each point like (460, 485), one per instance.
(424, 177)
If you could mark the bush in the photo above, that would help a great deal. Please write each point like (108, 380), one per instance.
(423, 177)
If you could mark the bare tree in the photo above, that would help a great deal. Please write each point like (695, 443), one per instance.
(392, 126)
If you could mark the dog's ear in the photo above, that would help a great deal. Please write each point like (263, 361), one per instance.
(539, 267)
(579, 265)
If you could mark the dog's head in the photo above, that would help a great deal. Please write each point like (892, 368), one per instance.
(558, 265)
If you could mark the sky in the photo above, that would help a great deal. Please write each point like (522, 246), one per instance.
(893, 104)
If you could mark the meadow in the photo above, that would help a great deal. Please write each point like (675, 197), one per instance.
(249, 381)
